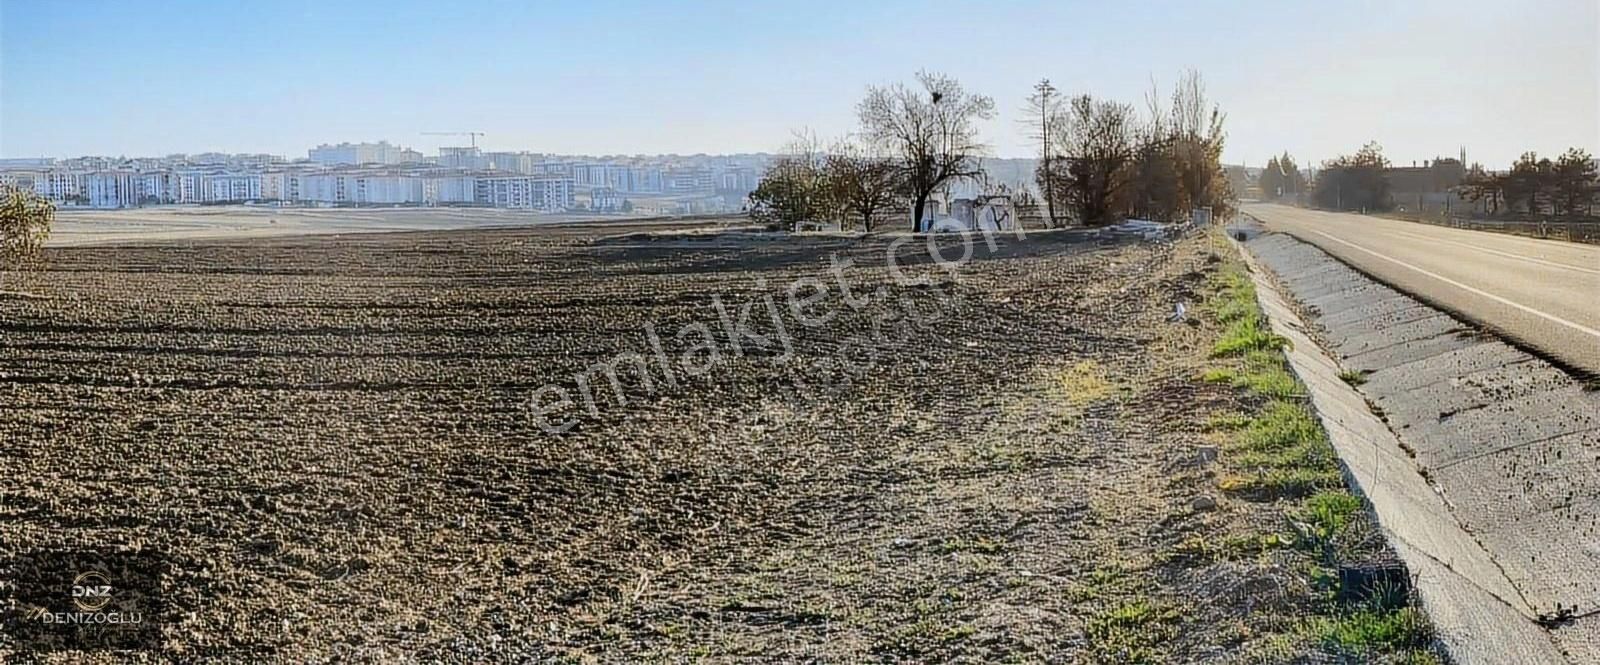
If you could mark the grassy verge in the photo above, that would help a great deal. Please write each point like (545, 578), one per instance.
(1278, 453)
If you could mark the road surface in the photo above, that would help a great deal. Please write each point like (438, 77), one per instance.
(1543, 293)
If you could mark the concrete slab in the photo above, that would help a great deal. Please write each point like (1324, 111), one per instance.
(1481, 615)
(1456, 436)
(1353, 340)
(1371, 317)
(1444, 367)
(1406, 352)
(1461, 393)
(1507, 445)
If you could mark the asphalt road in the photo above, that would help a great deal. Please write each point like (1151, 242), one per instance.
(1543, 293)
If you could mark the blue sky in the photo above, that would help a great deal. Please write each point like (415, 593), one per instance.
(155, 77)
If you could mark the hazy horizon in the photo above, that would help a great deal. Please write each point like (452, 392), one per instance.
(1424, 79)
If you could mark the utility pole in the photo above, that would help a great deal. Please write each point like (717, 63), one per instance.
(1046, 94)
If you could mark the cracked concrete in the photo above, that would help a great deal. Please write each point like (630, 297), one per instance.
(1485, 470)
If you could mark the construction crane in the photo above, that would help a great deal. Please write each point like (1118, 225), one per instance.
(474, 135)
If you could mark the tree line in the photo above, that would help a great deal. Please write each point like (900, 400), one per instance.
(1100, 161)
(1566, 186)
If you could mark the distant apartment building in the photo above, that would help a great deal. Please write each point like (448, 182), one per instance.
(644, 180)
(513, 162)
(114, 189)
(356, 154)
(606, 199)
(693, 180)
(628, 178)
(462, 158)
(280, 186)
(188, 186)
(232, 188)
(59, 185)
(155, 188)
(450, 190)
(16, 179)
(253, 161)
(27, 163)
(531, 192)
(388, 189)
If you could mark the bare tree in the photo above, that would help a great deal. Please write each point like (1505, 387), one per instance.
(1155, 190)
(794, 188)
(932, 132)
(1099, 145)
(1043, 123)
(1197, 139)
(863, 182)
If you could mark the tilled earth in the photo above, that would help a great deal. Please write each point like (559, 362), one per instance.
(343, 442)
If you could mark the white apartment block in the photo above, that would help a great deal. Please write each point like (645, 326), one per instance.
(280, 186)
(355, 154)
(58, 185)
(513, 162)
(155, 187)
(532, 192)
(462, 158)
(388, 189)
(230, 188)
(188, 187)
(445, 190)
(114, 189)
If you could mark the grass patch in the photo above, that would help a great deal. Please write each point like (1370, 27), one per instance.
(1227, 422)
(1235, 306)
(1373, 631)
(1262, 372)
(1247, 334)
(1274, 484)
(1307, 455)
(1132, 632)
(1281, 425)
(1331, 511)
(1281, 453)
(1324, 517)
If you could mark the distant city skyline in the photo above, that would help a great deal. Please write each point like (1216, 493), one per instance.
(610, 78)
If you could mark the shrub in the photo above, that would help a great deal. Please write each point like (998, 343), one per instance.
(25, 220)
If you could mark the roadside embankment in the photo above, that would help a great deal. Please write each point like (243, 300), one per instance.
(1479, 458)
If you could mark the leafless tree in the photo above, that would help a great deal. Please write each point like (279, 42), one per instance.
(1197, 139)
(1043, 122)
(1098, 145)
(1155, 190)
(932, 132)
(863, 182)
(794, 188)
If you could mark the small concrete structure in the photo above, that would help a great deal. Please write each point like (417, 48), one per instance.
(984, 213)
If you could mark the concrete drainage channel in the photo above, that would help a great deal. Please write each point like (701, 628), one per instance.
(1483, 467)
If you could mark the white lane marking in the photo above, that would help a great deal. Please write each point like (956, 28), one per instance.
(1549, 317)
(1509, 255)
